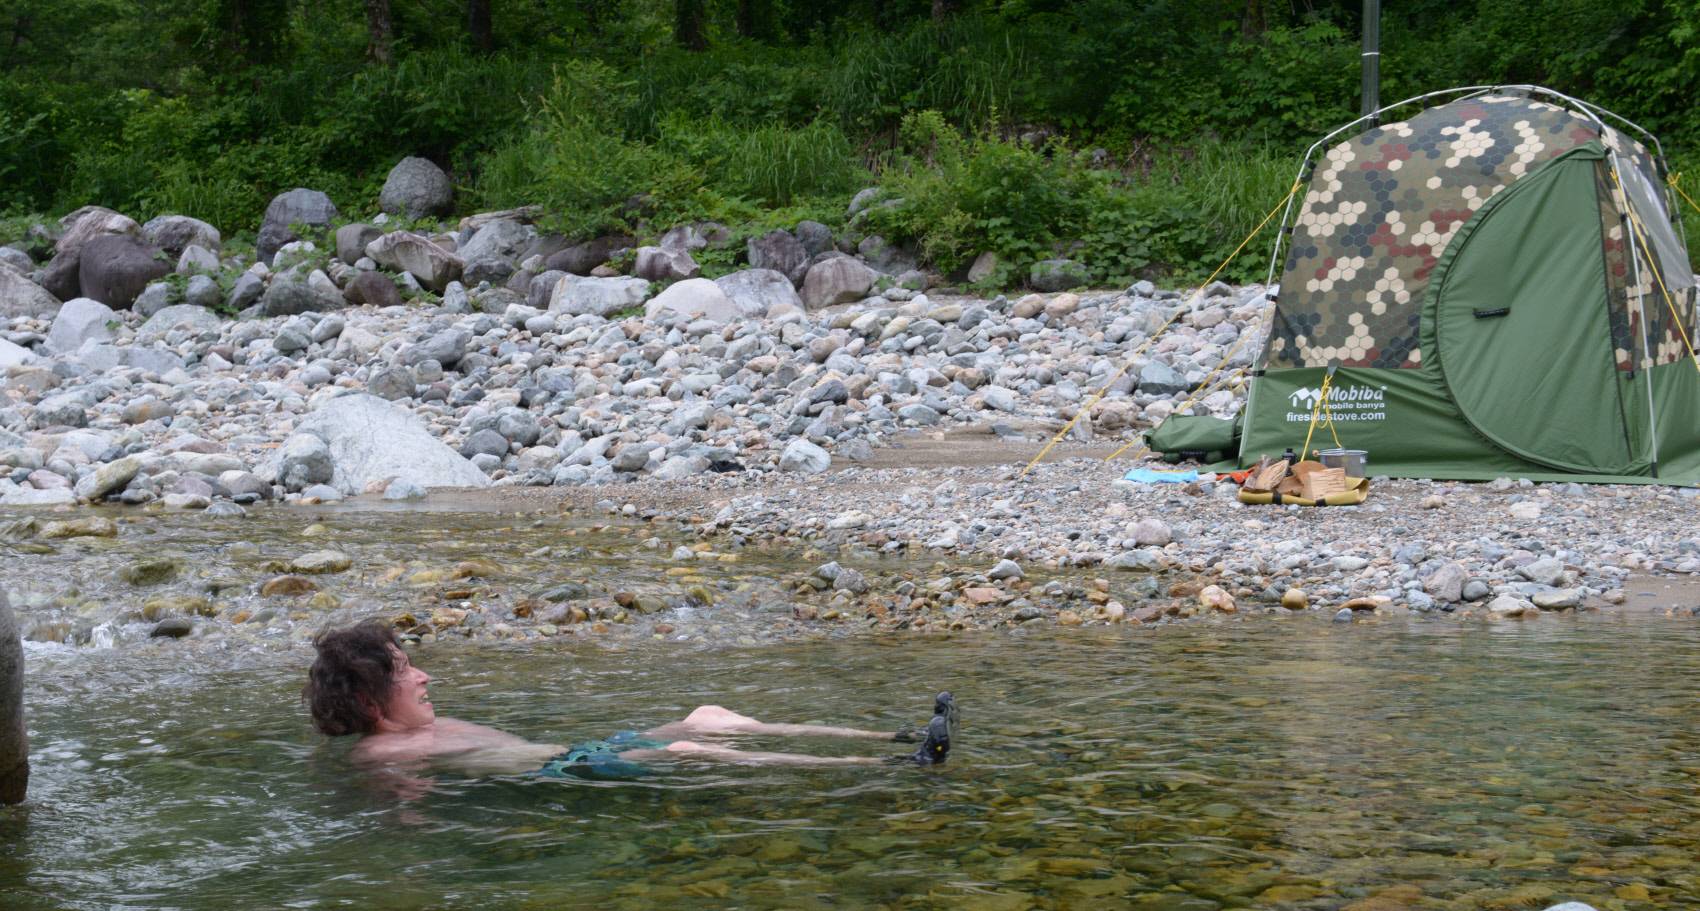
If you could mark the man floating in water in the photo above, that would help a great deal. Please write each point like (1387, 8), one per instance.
(362, 682)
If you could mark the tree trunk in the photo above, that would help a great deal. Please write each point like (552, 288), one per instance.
(690, 24)
(745, 19)
(14, 738)
(592, 12)
(20, 29)
(1255, 21)
(755, 19)
(379, 29)
(478, 25)
(943, 8)
(254, 29)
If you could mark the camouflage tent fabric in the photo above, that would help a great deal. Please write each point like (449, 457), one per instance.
(1382, 206)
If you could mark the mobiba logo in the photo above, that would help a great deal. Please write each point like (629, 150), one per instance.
(1304, 397)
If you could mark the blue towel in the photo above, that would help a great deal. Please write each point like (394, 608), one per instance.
(1153, 476)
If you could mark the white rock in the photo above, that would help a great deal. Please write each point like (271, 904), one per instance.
(21, 297)
(804, 457)
(838, 280)
(1152, 533)
(29, 496)
(760, 292)
(12, 355)
(416, 255)
(693, 298)
(81, 320)
(373, 442)
(576, 294)
(196, 258)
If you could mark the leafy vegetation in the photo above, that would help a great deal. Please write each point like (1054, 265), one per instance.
(1140, 136)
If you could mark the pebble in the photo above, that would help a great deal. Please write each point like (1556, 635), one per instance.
(287, 585)
(172, 628)
(321, 562)
(1006, 569)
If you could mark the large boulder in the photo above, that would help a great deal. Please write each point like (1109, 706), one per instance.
(372, 442)
(303, 460)
(693, 298)
(178, 316)
(1057, 275)
(299, 206)
(814, 236)
(80, 320)
(489, 268)
(696, 237)
(804, 457)
(663, 264)
(502, 237)
(579, 259)
(446, 348)
(575, 295)
(879, 253)
(197, 259)
(14, 738)
(116, 267)
(416, 255)
(760, 292)
(61, 276)
(176, 233)
(782, 252)
(21, 297)
(838, 280)
(416, 187)
(291, 292)
(90, 222)
(351, 241)
(374, 288)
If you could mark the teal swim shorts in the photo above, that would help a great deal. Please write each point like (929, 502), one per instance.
(600, 759)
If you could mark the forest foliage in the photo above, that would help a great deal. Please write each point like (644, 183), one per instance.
(1145, 137)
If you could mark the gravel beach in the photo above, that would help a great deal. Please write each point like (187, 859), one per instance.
(865, 420)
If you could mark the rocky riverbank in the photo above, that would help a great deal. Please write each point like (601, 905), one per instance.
(305, 375)
(769, 409)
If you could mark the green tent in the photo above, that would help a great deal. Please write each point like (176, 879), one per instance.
(1502, 289)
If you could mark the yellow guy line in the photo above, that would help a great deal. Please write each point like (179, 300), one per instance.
(1087, 408)
(1678, 188)
(1653, 266)
(1321, 399)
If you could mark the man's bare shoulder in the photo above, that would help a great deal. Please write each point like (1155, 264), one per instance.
(384, 749)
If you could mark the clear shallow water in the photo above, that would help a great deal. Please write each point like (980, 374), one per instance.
(1270, 764)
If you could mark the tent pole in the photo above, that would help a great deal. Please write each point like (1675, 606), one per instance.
(1371, 58)
(1640, 308)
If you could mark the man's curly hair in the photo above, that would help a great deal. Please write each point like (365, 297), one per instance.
(351, 677)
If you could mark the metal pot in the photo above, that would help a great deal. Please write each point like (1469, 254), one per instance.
(1350, 459)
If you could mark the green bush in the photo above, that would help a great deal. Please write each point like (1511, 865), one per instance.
(964, 195)
(952, 197)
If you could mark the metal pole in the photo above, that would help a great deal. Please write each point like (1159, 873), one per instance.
(1372, 57)
(1640, 308)
(14, 739)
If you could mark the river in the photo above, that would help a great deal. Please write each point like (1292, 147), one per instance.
(1266, 763)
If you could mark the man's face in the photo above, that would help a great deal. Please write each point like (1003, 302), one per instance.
(408, 707)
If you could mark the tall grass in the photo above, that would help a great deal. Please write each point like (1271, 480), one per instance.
(772, 165)
(967, 69)
(1232, 185)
